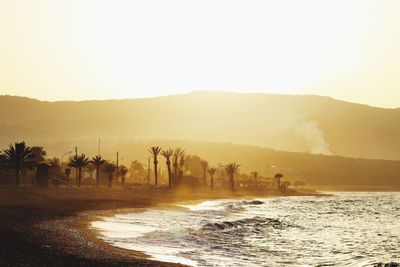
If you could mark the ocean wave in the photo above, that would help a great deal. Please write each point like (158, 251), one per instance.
(295, 231)
(240, 206)
(388, 264)
(253, 223)
(252, 202)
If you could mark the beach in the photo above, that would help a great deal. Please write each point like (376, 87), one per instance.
(50, 226)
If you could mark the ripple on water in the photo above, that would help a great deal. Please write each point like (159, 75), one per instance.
(346, 229)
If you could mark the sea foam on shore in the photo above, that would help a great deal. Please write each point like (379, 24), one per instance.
(342, 229)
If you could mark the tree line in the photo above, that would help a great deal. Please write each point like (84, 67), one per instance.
(20, 158)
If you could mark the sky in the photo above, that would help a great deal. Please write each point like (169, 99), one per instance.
(93, 49)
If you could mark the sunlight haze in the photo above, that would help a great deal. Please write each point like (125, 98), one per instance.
(57, 50)
(200, 133)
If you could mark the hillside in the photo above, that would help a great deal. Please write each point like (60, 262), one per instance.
(315, 124)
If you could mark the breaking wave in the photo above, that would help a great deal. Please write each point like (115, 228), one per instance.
(345, 229)
(255, 223)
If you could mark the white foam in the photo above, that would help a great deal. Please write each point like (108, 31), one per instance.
(206, 205)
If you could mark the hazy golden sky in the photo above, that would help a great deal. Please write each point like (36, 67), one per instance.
(123, 49)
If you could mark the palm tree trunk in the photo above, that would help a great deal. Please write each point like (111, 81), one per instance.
(169, 175)
(155, 172)
(76, 175)
(180, 176)
(110, 180)
(175, 175)
(212, 182)
(97, 176)
(17, 176)
(79, 176)
(204, 177)
(232, 183)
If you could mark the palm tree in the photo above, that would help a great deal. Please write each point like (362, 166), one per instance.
(167, 154)
(181, 165)
(122, 172)
(154, 151)
(255, 175)
(286, 184)
(231, 169)
(278, 178)
(39, 157)
(17, 157)
(211, 172)
(204, 165)
(97, 161)
(39, 154)
(79, 161)
(109, 168)
(297, 184)
(175, 159)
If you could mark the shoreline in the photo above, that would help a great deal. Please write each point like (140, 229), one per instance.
(42, 227)
(94, 234)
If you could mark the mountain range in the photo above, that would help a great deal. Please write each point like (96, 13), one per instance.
(310, 124)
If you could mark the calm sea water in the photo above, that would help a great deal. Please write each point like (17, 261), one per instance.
(345, 229)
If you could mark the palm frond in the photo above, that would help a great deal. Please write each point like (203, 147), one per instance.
(154, 151)
(211, 171)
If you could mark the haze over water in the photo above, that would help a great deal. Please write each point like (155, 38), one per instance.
(345, 229)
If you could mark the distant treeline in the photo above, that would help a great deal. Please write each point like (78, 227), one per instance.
(315, 170)
(22, 164)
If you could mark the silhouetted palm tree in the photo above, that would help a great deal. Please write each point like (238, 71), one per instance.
(154, 151)
(204, 165)
(79, 161)
(278, 178)
(97, 161)
(39, 157)
(17, 157)
(296, 184)
(178, 152)
(167, 154)
(286, 184)
(39, 154)
(122, 172)
(109, 168)
(211, 172)
(231, 169)
(255, 175)
(181, 166)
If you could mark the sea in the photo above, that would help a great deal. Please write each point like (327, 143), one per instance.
(336, 229)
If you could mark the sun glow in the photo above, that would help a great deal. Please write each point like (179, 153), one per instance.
(118, 49)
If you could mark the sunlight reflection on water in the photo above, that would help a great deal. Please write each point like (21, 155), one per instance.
(346, 229)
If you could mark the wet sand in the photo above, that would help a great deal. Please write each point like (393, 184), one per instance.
(50, 226)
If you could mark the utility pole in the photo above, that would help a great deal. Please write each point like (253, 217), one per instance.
(76, 168)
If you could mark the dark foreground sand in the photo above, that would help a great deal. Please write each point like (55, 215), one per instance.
(50, 226)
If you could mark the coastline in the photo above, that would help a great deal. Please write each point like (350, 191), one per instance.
(42, 227)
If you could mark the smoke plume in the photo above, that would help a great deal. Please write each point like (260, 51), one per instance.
(314, 137)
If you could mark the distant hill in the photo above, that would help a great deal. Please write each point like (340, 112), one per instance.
(315, 124)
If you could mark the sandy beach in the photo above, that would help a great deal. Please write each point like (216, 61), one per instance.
(50, 226)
